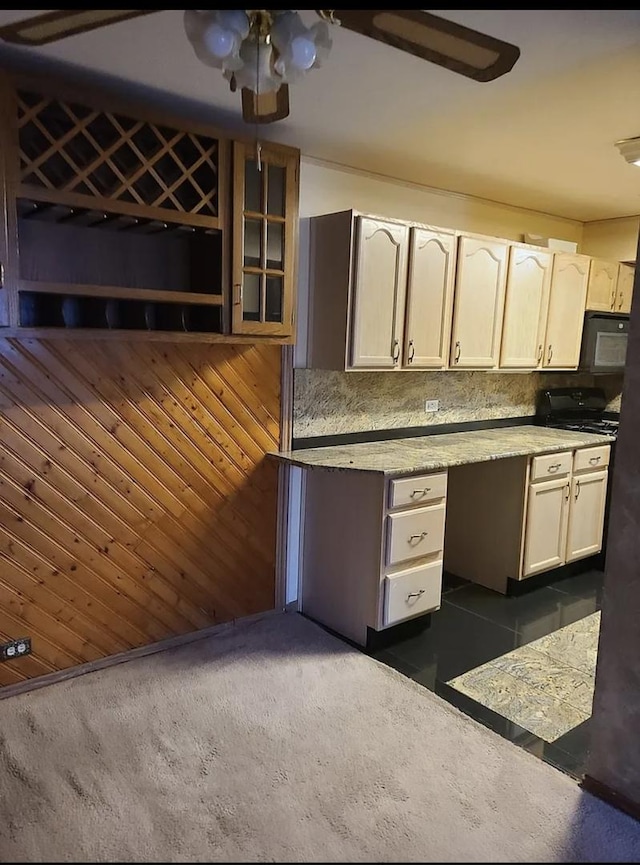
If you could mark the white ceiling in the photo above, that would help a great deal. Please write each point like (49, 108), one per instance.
(540, 137)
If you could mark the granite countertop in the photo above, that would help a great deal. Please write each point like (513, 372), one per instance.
(409, 456)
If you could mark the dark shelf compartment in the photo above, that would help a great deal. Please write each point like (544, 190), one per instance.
(78, 246)
(47, 310)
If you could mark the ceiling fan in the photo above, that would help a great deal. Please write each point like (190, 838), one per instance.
(262, 51)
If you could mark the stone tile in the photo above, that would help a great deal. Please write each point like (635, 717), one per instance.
(524, 704)
(575, 645)
(550, 676)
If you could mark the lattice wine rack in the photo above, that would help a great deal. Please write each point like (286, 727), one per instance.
(72, 148)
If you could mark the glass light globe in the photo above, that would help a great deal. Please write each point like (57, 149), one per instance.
(219, 41)
(234, 19)
(302, 52)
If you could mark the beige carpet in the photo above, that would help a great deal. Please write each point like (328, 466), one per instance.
(274, 741)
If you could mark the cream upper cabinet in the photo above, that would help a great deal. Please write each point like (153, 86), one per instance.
(478, 302)
(378, 293)
(624, 290)
(603, 278)
(586, 515)
(526, 307)
(427, 334)
(546, 525)
(566, 310)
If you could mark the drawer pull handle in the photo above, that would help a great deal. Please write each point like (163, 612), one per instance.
(425, 491)
(417, 594)
(554, 467)
(594, 460)
(418, 538)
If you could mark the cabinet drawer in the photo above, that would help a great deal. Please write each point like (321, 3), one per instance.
(551, 466)
(588, 459)
(411, 592)
(416, 533)
(417, 490)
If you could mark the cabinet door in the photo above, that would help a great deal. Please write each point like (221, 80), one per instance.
(546, 526)
(601, 292)
(526, 307)
(478, 302)
(586, 515)
(566, 310)
(427, 333)
(379, 289)
(624, 290)
(265, 225)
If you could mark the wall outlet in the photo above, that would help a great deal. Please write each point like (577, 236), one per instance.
(15, 649)
(432, 405)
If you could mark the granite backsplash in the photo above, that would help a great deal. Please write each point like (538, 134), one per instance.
(328, 402)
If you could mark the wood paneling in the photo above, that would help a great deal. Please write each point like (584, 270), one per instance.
(135, 500)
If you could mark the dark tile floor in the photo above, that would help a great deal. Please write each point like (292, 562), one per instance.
(475, 625)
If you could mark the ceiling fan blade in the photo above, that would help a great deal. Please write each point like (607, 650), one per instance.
(436, 39)
(265, 107)
(51, 26)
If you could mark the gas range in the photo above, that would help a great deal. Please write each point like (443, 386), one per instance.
(579, 409)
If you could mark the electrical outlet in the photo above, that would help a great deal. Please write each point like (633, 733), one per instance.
(432, 405)
(15, 649)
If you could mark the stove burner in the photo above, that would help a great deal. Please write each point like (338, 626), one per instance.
(608, 427)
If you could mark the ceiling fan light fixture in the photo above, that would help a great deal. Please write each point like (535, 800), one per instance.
(263, 49)
(630, 150)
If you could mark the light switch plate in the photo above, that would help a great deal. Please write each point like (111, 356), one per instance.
(431, 405)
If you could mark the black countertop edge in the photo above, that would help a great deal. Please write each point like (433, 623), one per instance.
(409, 432)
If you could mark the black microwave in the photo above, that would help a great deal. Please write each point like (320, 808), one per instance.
(604, 343)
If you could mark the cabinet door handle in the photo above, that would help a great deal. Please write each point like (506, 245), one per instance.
(540, 352)
(554, 467)
(566, 498)
(417, 594)
(621, 301)
(1, 275)
(425, 491)
(457, 357)
(237, 293)
(418, 538)
(549, 353)
(613, 299)
(412, 352)
(395, 354)
(577, 490)
(594, 460)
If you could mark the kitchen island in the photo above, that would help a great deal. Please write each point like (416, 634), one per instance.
(495, 506)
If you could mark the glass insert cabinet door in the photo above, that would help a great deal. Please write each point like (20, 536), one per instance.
(265, 232)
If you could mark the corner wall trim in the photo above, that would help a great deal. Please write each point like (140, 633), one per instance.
(604, 792)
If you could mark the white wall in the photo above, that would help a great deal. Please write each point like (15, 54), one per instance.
(616, 239)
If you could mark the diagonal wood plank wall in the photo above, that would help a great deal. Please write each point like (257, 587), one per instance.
(135, 500)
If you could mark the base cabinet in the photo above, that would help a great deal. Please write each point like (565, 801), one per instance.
(524, 516)
(372, 549)
(546, 526)
(586, 516)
